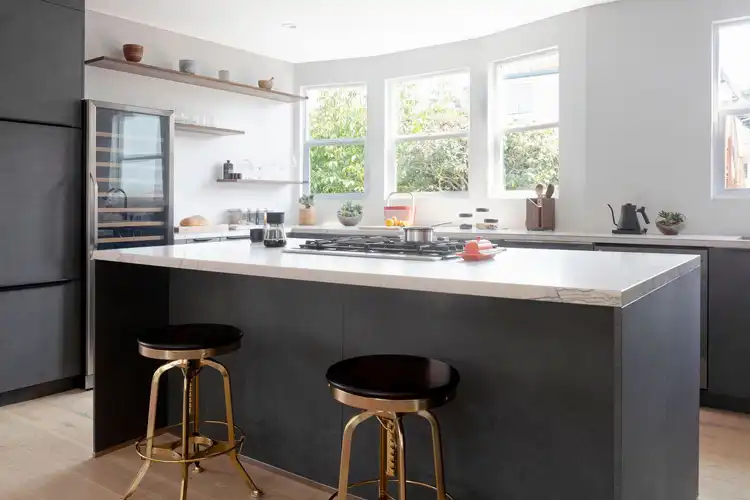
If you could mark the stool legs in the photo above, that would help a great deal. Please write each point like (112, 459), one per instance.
(401, 450)
(392, 455)
(437, 453)
(233, 455)
(151, 429)
(185, 444)
(346, 451)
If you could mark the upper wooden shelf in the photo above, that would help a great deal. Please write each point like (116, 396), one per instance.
(199, 129)
(197, 80)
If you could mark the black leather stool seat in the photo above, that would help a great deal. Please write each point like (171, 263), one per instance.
(394, 376)
(190, 337)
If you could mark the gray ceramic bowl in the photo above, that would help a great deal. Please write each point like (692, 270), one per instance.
(349, 221)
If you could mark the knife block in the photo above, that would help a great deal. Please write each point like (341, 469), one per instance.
(540, 218)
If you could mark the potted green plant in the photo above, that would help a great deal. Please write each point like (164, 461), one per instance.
(670, 223)
(350, 213)
(307, 210)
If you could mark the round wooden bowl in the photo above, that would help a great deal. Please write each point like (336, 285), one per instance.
(132, 52)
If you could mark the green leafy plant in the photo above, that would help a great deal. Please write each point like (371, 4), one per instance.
(670, 218)
(307, 200)
(350, 209)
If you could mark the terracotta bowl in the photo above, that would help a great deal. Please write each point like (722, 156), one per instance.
(132, 52)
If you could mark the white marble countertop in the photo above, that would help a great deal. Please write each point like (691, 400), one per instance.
(576, 277)
(649, 239)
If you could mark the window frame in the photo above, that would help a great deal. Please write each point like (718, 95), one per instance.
(308, 143)
(497, 170)
(719, 119)
(393, 138)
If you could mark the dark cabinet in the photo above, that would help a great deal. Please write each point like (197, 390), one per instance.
(42, 62)
(705, 266)
(545, 245)
(41, 196)
(41, 335)
(73, 4)
(729, 335)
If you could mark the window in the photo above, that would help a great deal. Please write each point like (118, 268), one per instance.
(732, 101)
(528, 96)
(432, 133)
(336, 128)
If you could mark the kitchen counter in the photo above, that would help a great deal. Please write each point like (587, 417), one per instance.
(580, 371)
(602, 278)
(651, 238)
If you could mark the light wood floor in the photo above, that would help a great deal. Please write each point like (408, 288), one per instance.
(45, 454)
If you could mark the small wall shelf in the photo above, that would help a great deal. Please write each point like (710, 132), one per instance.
(197, 80)
(199, 129)
(260, 181)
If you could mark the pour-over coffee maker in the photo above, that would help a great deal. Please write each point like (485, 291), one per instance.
(274, 235)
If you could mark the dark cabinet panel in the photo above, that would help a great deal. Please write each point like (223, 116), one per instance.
(545, 245)
(41, 200)
(74, 4)
(729, 335)
(41, 335)
(43, 62)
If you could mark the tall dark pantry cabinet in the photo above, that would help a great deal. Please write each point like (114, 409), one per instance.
(41, 197)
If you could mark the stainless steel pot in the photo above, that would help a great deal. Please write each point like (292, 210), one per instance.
(421, 234)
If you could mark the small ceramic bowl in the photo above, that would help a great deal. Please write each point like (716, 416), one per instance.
(349, 221)
(188, 66)
(132, 52)
(266, 84)
(670, 230)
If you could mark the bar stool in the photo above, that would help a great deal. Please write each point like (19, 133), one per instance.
(189, 347)
(388, 387)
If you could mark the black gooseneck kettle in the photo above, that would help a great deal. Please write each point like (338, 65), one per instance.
(629, 223)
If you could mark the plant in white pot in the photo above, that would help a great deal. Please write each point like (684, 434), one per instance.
(307, 210)
(350, 213)
(670, 223)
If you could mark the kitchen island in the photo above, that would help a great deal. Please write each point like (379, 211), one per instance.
(580, 370)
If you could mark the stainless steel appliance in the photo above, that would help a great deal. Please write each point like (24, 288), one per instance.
(628, 222)
(380, 247)
(129, 168)
(274, 234)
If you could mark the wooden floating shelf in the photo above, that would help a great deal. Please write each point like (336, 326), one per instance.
(259, 181)
(199, 129)
(130, 239)
(196, 80)
(134, 210)
(131, 224)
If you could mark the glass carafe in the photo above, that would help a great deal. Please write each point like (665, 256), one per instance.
(274, 234)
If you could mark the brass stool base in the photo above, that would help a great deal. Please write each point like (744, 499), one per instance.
(387, 496)
(204, 447)
(192, 447)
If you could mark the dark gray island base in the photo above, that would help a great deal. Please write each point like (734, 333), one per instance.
(557, 400)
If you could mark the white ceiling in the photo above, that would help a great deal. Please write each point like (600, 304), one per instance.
(334, 29)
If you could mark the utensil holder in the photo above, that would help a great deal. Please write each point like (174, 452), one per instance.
(540, 217)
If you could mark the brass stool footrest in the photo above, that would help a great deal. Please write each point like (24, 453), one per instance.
(206, 447)
(389, 497)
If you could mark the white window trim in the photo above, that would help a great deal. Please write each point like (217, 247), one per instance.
(393, 139)
(720, 114)
(308, 143)
(497, 187)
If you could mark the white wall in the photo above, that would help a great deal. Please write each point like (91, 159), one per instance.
(198, 159)
(635, 117)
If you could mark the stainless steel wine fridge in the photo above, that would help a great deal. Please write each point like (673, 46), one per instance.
(129, 157)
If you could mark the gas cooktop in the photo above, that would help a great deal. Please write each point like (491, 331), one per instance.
(380, 247)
